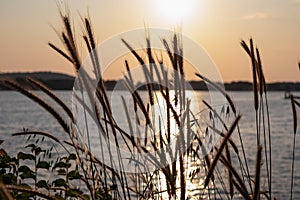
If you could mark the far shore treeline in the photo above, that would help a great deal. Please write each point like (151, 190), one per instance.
(59, 81)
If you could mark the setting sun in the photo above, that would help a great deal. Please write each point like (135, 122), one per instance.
(175, 10)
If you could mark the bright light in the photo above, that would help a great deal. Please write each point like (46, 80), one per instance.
(175, 10)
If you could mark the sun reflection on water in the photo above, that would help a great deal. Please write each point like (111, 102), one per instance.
(195, 168)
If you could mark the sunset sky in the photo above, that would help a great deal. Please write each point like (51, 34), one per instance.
(218, 26)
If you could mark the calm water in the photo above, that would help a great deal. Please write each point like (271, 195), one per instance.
(17, 112)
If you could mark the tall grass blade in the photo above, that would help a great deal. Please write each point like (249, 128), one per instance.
(48, 91)
(256, 194)
(240, 184)
(38, 100)
(220, 150)
(295, 121)
(59, 51)
(254, 74)
(73, 52)
(294, 142)
(216, 86)
(260, 73)
(230, 177)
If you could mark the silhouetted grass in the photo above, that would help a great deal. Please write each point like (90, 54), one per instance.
(169, 179)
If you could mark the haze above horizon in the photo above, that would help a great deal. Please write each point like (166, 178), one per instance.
(218, 26)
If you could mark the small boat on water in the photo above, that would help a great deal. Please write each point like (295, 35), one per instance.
(287, 95)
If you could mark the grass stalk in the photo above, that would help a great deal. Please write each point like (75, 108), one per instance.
(256, 194)
(218, 155)
(294, 142)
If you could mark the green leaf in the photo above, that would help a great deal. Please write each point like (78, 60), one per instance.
(60, 183)
(72, 156)
(74, 193)
(25, 156)
(4, 165)
(4, 157)
(8, 178)
(27, 175)
(2, 171)
(38, 150)
(74, 175)
(61, 172)
(42, 184)
(62, 165)
(24, 196)
(86, 197)
(43, 165)
(24, 169)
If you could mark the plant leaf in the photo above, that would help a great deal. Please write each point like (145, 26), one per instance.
(24, 169)
(25, 156)
(62, 165)
(43, 165)
(74, 175)
(60, 183)
(42, 184)
(27, 175)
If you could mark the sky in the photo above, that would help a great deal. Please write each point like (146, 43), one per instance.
(218, 26)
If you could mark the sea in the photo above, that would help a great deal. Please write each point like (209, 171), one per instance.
(18, 113)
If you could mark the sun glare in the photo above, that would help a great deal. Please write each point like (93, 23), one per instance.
(175, 10)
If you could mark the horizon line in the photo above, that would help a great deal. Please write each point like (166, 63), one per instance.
(112, 79)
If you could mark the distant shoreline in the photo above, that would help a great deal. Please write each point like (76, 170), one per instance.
(60, 81)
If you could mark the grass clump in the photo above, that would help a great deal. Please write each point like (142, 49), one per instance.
(103, 177)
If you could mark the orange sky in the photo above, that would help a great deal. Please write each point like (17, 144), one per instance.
(218, 26)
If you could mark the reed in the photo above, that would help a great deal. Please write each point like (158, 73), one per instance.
(106, 177)
(261, 109)
(257, 174)
(295, 121)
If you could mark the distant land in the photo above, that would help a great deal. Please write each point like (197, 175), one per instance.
(58, 81)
